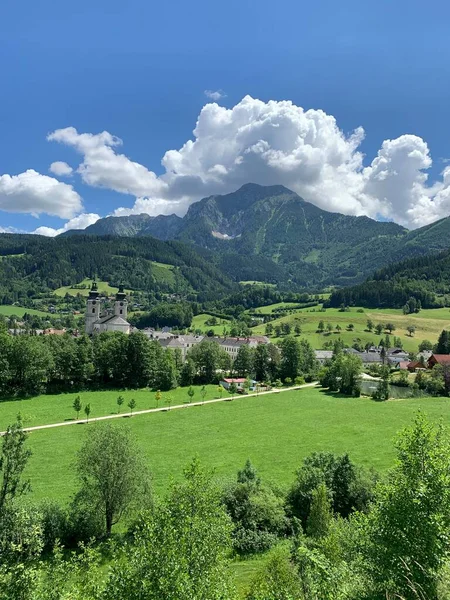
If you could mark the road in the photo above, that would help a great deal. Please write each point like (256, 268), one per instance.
(165, 409)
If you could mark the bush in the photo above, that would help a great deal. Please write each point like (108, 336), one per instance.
(55, 525)
(299, 380)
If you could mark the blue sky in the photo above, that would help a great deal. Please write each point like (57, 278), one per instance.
(139, 70)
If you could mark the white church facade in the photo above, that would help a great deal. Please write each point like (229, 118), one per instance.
(96, 322)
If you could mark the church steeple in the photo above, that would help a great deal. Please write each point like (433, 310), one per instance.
(121, 304)
(92, 308)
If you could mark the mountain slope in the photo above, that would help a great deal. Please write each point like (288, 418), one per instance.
(295, 241)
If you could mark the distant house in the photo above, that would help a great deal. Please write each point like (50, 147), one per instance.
(439, 359)
(403, 365)
(232, 345)
(414, 365)
(323, 355)
(182, 342)
(239, 382)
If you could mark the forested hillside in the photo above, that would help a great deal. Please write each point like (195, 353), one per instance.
(425, 278)
(33, 265)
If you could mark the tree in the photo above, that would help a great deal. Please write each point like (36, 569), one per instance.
(443, 344)
(220, 391)
(188, 372)
(411, 330)
(261, 362)
(408, 525)
(191, 393)
(120, 400)
(343, 374)
(297, 329)
(180, 550)
(391, 327)
(132, 405)
(243, 364)
(338, 328)
(87, 411)
(157, 397)
(382, 391)
(320, 515)
(277, 579)
(13, 460)
(425, 345)
(379, 328)
(321, 327)
(232, 389)
(329, 327)
(350, 327)
(203, 393)
(370, 325)
(209, 358)
(169, 400)
(269, 329)
(77, 406)
(112, 474)
(297, 358)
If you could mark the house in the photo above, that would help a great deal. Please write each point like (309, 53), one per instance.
(403, 365)
(439, 359)
(232, 345)
(95, 322)
(181, 342)
(414, 365)
(239, 382)
(323, 355)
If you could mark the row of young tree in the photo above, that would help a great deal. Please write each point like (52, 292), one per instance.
(35, 364)
(339, 533)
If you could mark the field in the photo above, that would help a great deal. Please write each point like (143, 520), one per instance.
(199, 322)
(18, 311)
(103, 287)
(428, 322)
(275, 431)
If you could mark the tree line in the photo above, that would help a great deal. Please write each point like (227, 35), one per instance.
(338, 532)
(32, 364)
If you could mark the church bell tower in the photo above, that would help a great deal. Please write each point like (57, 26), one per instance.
(121, 304)
(92, 308)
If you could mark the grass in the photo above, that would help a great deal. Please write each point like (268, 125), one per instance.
(199, 322)
(163, 273)
(18, 311)
(275, 431)
(428, 322)
(268, 310)
(57, 408)
(103, 287)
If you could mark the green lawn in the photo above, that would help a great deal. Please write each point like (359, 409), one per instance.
(276, 431)
(103, 287)
(429, 323)
(199, 322)
(268, 310)
(18, 311)
(57, 408)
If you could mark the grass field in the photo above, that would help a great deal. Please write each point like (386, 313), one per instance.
(268, 310)
(199, 322)
(103, 287)
(18, 311)
(57, 408)
(275, 431)
(429, 323)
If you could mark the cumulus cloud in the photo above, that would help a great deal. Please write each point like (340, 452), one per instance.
(61, 169)
(80, 222)
(31, 192)
(271, 143)
(215, 95)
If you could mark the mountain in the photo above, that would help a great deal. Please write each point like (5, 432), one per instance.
(269, 233)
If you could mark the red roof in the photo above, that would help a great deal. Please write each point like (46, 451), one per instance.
(238, 380)
(441, 358)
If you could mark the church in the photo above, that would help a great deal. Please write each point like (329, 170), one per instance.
(96, 322)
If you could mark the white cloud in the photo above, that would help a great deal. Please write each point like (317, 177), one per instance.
(80, 222)
(61, 169)
(33, 193)
(10, 230)
(271, 143)
(215, 95)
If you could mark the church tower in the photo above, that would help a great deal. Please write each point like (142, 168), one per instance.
(121, 304)
(92, 308)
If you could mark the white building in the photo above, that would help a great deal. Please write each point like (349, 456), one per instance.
(96, 322)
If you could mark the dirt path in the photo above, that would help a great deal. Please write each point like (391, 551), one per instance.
(165, 409)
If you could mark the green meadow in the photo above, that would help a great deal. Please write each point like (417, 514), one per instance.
(276, 431)
(18, 311)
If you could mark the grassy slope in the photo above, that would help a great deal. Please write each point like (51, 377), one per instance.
(19, 311)
(103, 286)
(429, 324)
(275, 431)
(198, 322)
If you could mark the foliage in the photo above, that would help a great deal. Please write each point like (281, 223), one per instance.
(111, 473)
(342, 374)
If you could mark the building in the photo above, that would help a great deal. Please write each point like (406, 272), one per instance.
(232, 345)
(322, 356)
(439, 359)
(97, 322)
(181, 342)
(239, 382)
